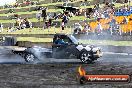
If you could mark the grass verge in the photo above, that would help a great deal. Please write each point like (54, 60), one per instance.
(39, 31)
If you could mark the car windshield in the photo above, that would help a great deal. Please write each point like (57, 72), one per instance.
(74, 40)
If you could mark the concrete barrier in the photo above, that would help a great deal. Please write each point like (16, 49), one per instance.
(113, 37)
(24, 44)
(117, 49)
(104, 48)
(31, 35)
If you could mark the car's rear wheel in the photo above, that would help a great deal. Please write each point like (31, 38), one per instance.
(29, 57)
(86, 57)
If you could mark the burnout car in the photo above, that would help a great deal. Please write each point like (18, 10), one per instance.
(71, 47)
(86, 53)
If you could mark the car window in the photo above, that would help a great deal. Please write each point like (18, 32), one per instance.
(67, 40)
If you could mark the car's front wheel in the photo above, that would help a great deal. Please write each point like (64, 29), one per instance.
(86, 57)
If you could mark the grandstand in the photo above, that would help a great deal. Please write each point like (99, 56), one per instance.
(29, 11)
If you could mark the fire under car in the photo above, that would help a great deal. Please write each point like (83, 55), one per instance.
(86, 53)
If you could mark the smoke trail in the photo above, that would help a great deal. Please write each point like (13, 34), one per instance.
(6, 56)
(41, 53)
(105, 47)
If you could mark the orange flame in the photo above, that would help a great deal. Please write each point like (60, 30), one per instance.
(81, 71)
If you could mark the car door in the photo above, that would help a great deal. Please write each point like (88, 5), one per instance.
(61, 49)
(60, 46)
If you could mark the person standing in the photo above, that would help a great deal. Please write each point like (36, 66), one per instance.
(65, 18)
(38, 16)
(99, 29)
(1, 27)
(28, 24)
(44, 13)
(63, 25)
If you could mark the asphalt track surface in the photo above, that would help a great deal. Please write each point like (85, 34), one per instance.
(6, 56)
(61, 74)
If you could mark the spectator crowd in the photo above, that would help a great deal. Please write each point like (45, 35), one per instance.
(104, 19)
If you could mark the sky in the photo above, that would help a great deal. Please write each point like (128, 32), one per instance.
(3, 2)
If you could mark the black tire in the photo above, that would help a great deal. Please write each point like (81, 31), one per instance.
(86, 57)
(30, 58)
